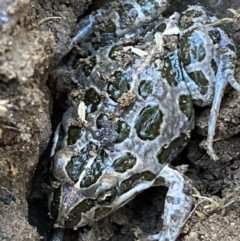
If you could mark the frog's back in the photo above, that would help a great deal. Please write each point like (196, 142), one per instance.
(146, 112)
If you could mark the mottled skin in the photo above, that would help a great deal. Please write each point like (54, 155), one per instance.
(209, 57)
(127, 17)
(122, 149)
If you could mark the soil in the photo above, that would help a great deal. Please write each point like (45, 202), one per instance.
(34, 36)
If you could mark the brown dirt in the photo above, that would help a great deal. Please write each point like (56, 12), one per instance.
(32, 42)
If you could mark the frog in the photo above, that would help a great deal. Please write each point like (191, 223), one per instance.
(124, 142)
(134, 118)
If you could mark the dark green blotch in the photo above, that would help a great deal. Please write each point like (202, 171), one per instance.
(145, 88)
(101, 212)
(199, 78)
(192, 48)
(87, 68)
(124, 163)
(92, 100)
(111, 27)
(231, 47)
(97, 45)
(161, 27)
(214, 66)
(175, 147)
(120, 85)
(74, 216)
(172, 69)
(100, 118)
(77, 164)
(136, 179)
(168, 72)
(148, 122)
(123, 130)
(74, 134)
(95, 171)
(214, 35)
(54, 206)
(185, 104)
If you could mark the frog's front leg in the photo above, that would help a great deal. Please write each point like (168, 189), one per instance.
(177, 206)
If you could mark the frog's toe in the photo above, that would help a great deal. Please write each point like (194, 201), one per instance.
(211, 151)
(233, 82)
(154, 237)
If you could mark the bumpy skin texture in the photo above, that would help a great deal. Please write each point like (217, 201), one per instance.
(116, 158)
(135, 117)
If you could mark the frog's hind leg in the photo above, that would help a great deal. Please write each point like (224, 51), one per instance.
(177, 206)
(219, 90)
(225, 74)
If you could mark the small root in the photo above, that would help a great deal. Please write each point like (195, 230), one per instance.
(47, 19)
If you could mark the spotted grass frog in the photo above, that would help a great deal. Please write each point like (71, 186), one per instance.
(134, 117)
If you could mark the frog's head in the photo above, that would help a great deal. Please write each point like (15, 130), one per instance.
(95, 188)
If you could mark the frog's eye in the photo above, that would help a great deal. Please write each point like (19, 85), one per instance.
(107, 197)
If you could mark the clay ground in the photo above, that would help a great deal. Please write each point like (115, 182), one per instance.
(33, 39)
